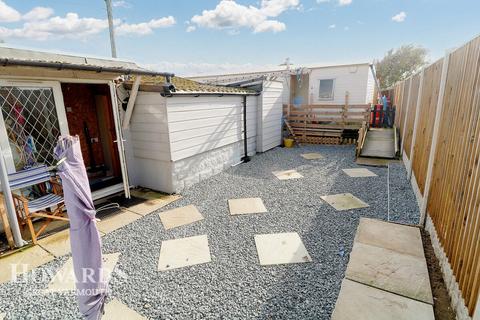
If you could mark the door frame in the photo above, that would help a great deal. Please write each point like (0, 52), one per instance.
(55, 84)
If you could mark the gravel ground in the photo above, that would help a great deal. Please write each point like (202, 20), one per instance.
(234, 285)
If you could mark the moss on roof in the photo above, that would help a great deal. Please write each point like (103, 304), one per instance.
(186, 85)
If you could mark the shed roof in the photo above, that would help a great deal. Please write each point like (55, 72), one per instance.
(183, 85)
(33, 58)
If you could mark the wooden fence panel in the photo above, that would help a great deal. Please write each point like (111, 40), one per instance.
(453, 202)
(403, 107)
(398, 102)
(425, 122)
(410, 113)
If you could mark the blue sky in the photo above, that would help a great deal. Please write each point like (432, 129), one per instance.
(209, 36)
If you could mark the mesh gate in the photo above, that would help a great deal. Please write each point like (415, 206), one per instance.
(32, 124)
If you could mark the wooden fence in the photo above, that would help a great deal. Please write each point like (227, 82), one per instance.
(325, 123)
(439, 124)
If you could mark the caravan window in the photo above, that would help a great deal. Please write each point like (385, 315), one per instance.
(326, 89)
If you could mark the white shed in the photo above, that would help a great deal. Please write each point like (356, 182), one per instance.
(176, 139)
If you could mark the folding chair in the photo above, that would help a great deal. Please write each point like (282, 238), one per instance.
(48, 206)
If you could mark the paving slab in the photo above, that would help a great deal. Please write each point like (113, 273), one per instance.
(373, 162)
(357, 301)
(180, 216)
(57, 244)
(287, 174)
(64, 279)
(359, 173)
(179, 253)
(22, 262)
(117, 221)
(153, 201)
(389, 270)
(312, 156)
(2, 316)
(393, 236)
(344, 201)
(281, 248)
(116, 310)
(246, 206)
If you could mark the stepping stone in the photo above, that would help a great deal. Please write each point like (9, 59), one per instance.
(357, 301)
(344, 201)
(392, 236)
(287, 174)
(246, 206)
(22, 262)
(180, 216)
(153, 202)
(312, 156)
(64, 279)
(115, 310)
(359, 172)
(179, 253)
(395, 272)
(281, 248)
(117, 221)
(57, 244)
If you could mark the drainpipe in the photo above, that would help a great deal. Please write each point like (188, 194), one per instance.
(7, 192)
(245, 158)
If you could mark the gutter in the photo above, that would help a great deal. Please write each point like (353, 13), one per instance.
(80, 67)
(245, 158)
(198, 94)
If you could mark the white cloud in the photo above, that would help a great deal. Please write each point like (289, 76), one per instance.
(121, 4)
(399, 17)
(344, 2)
(230, 15)
(145, 27)
(191, 28)
(70, 26)
(8, 14)
(332, 26)
(38, 13)
(40, 24)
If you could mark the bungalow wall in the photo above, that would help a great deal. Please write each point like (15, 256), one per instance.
(356, 79)
(178, 141)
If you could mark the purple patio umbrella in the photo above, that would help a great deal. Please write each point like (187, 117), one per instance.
(84, 237)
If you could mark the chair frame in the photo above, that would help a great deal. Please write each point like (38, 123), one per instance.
(25, 217)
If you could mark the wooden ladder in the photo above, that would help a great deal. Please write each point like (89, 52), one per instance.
(292, 133)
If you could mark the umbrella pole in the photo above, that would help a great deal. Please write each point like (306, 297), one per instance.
(7, 192)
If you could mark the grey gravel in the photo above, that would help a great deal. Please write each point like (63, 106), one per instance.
(234, 285)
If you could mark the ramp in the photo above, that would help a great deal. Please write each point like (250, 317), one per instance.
(379, 143)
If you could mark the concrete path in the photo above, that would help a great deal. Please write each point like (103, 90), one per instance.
(387, 275)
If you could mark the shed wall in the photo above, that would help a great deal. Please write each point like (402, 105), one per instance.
(148, 144)
(206, 135)
(270, 115)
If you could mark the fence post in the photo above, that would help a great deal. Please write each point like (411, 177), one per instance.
(406, 116)
(436, 130)
(415, 124)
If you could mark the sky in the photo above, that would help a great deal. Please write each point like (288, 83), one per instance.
(192, 37)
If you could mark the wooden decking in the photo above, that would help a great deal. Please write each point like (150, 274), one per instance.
(379, 143)
(326, 124)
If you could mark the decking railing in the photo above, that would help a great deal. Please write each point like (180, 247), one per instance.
(325, 123)
(439, 123)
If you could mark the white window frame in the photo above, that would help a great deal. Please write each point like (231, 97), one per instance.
(333, 89)
(60, 108)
